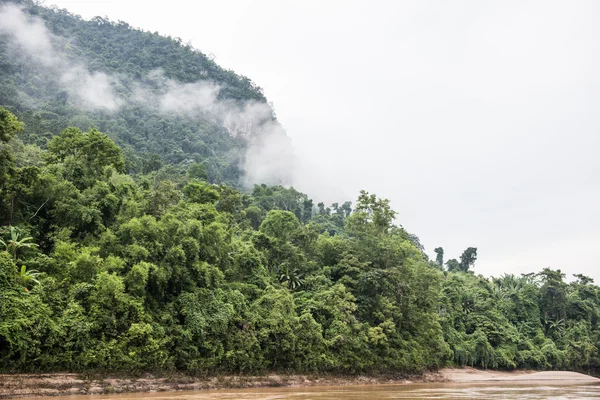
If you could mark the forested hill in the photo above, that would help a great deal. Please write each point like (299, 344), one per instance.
(129, 252)
(102, 270)
(161, 100)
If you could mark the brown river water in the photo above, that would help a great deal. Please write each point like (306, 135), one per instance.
(481, 391)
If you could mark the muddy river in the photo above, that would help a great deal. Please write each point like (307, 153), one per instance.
(375, 392)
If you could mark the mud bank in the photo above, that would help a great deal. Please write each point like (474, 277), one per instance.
(30, 385)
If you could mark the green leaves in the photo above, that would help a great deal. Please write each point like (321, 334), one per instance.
(9, 125)
(27, 278)
(281, 225)
(84, 155)
(16, 242)
(201, 193)
(372, 215)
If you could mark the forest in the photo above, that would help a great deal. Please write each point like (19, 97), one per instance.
(104, 270)
(128, 243)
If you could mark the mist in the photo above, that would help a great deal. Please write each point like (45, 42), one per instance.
(90, 90)
(269, 157)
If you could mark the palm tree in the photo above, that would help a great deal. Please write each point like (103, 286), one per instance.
(16, 242)
(469, 300)
(27, 278)
(291, 277)
(556, 327)
(513, 284)
(497, 292)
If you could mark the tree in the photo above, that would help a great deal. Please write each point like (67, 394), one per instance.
(553, 295)
(583, 279)
(254, 216)
(346, 208)
(93, 148)
(468, 258)
(27, 278)
(159, 270)
(322, 209)
(9, 125)
(84, 156)
(163, 196)
(453, 266)
(17, 242)
(283, 225)
(290, 276)
(230, 200)
(201, 192)
(372, 215)
(198, 171)
(151, 162)
(439, 258)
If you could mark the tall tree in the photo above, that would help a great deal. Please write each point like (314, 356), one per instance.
(10, 126)
(439, 256)
(468, 258)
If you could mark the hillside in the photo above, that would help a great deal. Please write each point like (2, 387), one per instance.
(137, 250)
(154, 96)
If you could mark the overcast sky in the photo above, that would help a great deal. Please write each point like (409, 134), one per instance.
(479, 120)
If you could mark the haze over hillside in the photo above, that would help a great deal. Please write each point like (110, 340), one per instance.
(153, 95)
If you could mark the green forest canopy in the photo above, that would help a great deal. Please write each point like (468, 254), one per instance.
(105, 270)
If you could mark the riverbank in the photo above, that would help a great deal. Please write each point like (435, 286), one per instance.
(472, 375)
(28, 385)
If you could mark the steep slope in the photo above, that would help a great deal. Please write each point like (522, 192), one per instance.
(152, 94)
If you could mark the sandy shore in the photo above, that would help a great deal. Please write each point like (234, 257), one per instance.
(472, 375)
(29, 385)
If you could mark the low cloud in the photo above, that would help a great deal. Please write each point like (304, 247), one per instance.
(94, 90)
(269, 157)
(91, 90)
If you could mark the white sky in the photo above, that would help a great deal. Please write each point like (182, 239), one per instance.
(479, 120)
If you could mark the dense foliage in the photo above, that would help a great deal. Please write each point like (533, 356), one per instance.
(104, 270)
